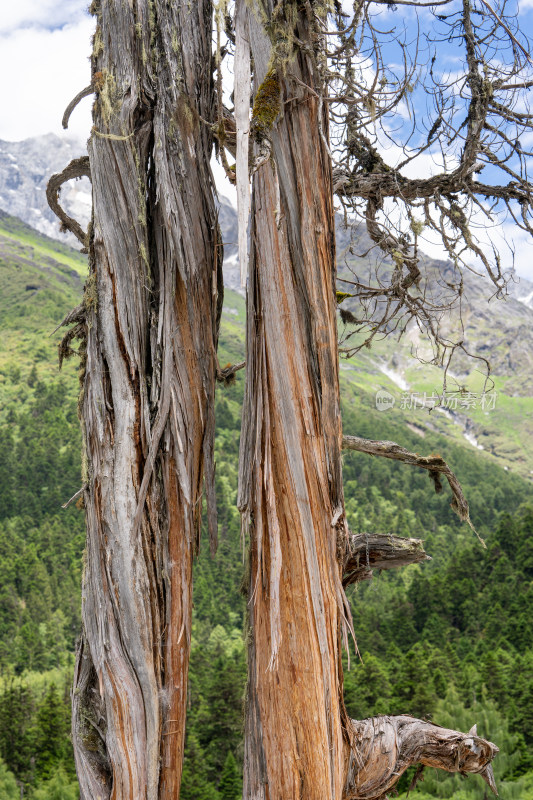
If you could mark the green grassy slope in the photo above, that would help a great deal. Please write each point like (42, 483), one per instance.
(497, 330)
(40, 281)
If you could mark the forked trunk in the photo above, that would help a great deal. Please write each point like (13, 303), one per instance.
(291, 491)
(147, 406)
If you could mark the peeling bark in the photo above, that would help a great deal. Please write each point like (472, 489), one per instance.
(298, 741)
(242, 131)
(147, 402)
(290, 491)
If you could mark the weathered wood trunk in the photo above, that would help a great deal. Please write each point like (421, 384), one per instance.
(291, 492)
(151, 306)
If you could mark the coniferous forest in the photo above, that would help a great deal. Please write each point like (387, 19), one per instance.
(449, 640)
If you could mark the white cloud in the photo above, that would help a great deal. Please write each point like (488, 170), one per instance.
(42, 70)
(49, 14)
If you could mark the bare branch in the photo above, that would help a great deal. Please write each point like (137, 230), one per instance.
(480, 120)
(506, 29)
(74, 102)
(435, 465)
(75, 496)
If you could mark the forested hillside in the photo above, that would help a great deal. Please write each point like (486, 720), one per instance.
(450, 639)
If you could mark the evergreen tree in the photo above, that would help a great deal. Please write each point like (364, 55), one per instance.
(59, 787)
(230, 786)
(8, 785)
(17, 731)
(52, 745)
(195, 784)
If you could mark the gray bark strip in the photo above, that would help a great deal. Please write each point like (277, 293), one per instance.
(147, 402)
(242, 125)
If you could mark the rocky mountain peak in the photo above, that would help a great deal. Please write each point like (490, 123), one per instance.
(25, 168)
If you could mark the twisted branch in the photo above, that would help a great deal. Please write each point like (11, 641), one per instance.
(384, 747)
(77, 168)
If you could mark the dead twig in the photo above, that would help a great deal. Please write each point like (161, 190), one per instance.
(74, 496)
(77, 314)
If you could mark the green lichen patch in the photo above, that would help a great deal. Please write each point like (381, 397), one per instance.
(267, 105)
(98, 42)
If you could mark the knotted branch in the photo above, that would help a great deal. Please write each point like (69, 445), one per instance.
(78, 168)
(384, 747)
(368, 551)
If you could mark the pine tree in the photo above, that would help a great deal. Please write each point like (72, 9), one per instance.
(58, 787)
(52, 740)
(230, 786)
(17, 708)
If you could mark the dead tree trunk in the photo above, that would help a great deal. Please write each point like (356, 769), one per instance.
(290, 474)
(147, 406)
(298, 741)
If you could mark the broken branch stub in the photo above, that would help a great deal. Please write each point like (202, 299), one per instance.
(226, 375)
(382, 748)
(368, 551)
